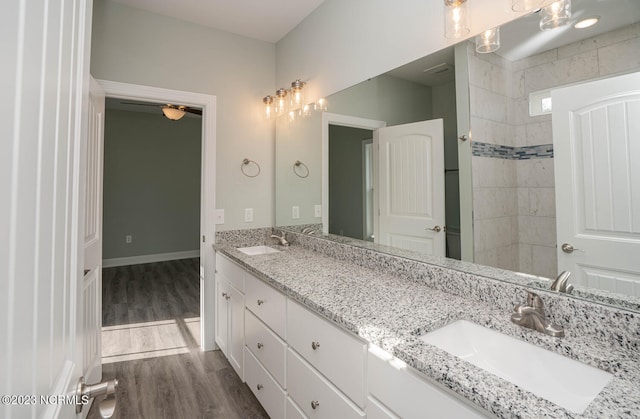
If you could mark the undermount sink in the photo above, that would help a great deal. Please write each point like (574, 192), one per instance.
(561, 380)
(257, 250)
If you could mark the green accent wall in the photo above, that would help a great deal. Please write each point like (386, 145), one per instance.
(151, 184)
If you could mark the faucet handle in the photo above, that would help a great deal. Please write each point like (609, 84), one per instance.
(534, 301)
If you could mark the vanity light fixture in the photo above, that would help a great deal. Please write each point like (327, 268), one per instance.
(586, 23)
(173, 113)
(297, 94)
(268, 106)
(555, 15)
(456, 23)
(305, 111)
(281, 102)
(526, 5)
(488, 41)
(321, 104)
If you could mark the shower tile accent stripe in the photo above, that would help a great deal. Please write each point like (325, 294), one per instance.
(543, 151)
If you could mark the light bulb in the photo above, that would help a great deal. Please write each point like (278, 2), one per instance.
(456, 24)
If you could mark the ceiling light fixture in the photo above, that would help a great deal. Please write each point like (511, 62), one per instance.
(488, 41)
(555, 15)
(456, 23)
(172, 112)
(586, 23)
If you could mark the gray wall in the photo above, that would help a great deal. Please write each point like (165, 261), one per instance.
(346, 200)
(151, 184)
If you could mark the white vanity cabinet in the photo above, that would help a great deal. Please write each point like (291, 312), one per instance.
(229, 327)
(397, 390)
(265, 320)
(335, 353)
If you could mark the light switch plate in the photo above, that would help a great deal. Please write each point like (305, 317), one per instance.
(317, 211)
(248, 215)
(295, 212)
(219, 216)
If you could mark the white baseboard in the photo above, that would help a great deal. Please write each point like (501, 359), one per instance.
(159, 257)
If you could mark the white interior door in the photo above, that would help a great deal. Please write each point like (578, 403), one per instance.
(596, 127)
(411, 186)
(44, 89)
(92, 281)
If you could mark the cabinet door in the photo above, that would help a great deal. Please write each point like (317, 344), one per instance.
(222, 318)
(236, 331)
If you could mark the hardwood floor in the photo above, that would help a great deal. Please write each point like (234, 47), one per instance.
(150, 344)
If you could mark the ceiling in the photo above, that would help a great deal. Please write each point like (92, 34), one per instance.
(522, 38)
(266, 21)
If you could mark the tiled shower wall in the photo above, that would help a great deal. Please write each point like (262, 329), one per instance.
(513, 185)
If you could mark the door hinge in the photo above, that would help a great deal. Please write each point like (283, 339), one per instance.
(203, 239)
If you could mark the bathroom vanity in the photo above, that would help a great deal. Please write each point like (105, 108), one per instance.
(333, 330)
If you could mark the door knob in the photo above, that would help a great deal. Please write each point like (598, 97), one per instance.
(437, 229)
(568, 248)
(107, 388)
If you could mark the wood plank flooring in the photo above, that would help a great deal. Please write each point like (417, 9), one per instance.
(150, 344)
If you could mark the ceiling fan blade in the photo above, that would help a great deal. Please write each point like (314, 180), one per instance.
(194, 111)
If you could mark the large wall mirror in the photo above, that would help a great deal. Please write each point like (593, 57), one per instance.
(501, 180)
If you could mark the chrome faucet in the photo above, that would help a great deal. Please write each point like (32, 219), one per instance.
(561, 283)
(531, 315)
(281, 239)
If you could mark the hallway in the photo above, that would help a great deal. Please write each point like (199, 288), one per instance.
(151, 335)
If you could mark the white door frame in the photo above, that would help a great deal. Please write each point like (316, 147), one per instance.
(345, 121)
(208, 185)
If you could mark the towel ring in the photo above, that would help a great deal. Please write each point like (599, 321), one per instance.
(298, 163)
(246, 162)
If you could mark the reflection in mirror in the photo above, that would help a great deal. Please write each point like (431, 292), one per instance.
(514, 178)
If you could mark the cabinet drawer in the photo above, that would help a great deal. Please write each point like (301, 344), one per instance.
(338, 355)
(293, 411)
(231, 271)
(267, 303)
(266, 346)
(375, 410)
(316, 396)
(269, 394)
(408, 394)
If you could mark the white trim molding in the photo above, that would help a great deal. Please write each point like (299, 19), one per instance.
(158, 257)
(208, 185)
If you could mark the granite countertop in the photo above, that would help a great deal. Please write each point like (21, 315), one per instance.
(391, 312)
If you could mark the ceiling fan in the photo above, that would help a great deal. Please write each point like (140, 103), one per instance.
(173, 112)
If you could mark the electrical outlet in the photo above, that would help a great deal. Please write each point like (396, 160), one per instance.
(295, 212)
(128, 239)
(248, 215)
(317, 211)
(219, 216)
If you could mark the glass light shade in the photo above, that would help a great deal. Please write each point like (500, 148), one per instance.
(488, 41)
(321, 104)
(292, 116)
(297, 94)
(172, 113)
(456, 22)
(268, 106)
(526, 5)
(555, 15)
(282, 104)
(305, 111)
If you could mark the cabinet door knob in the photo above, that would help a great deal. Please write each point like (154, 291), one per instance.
(259, 386)
(315, 345)
(224, 294)
(260, 302)
(228, 297)
(315, 404)
(260, 345)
